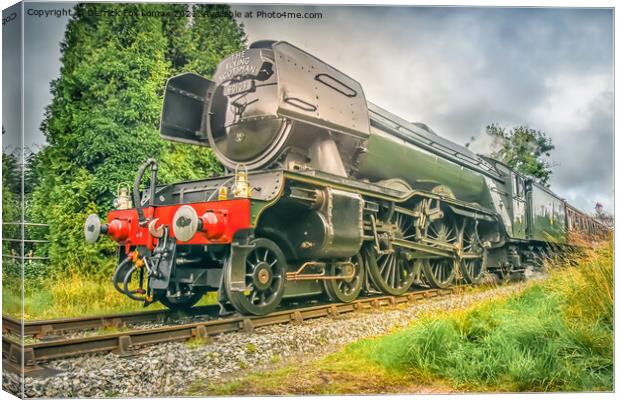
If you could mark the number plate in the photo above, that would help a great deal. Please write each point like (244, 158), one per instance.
(239, 87)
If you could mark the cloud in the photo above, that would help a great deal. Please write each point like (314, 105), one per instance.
(456, 69)
(11, 78)
(460, 69)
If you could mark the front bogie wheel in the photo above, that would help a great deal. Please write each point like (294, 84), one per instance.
(182, 302)
(265, 275)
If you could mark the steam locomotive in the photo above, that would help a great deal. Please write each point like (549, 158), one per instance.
(323, 194)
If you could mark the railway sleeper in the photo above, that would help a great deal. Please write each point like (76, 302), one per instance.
(124, 344)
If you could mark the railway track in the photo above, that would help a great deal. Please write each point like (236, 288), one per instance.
(42, 329)
(26, 358)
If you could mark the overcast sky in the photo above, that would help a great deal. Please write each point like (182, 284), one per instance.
(455, 69)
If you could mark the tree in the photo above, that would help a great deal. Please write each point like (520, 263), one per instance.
(197, 44)
(603, 216)
(198, 48)
(11, 196)
(101, 124)
(523, 149)
(104, 117)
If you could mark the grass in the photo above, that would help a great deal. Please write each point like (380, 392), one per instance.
(522, 344)
(197, 342)
(555, 335)
(72, 296)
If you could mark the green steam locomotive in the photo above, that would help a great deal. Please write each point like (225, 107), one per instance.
(325, 194)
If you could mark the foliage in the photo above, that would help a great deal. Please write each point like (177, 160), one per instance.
(603, 216)
(523, 149)
(583, 282)
(214, 36)
(555, 336)
(11, 176)
(186, 162)
(100, 125)
(11, 189)
(104, 116)
(35, 272)
(197, 49)
(11, 212)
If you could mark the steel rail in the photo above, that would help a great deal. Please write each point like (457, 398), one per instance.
(24, 358)
(42, 328)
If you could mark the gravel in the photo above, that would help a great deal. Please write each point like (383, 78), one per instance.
(169, 369)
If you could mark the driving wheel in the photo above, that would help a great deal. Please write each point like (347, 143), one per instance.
(440, 272)
(474, 262)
